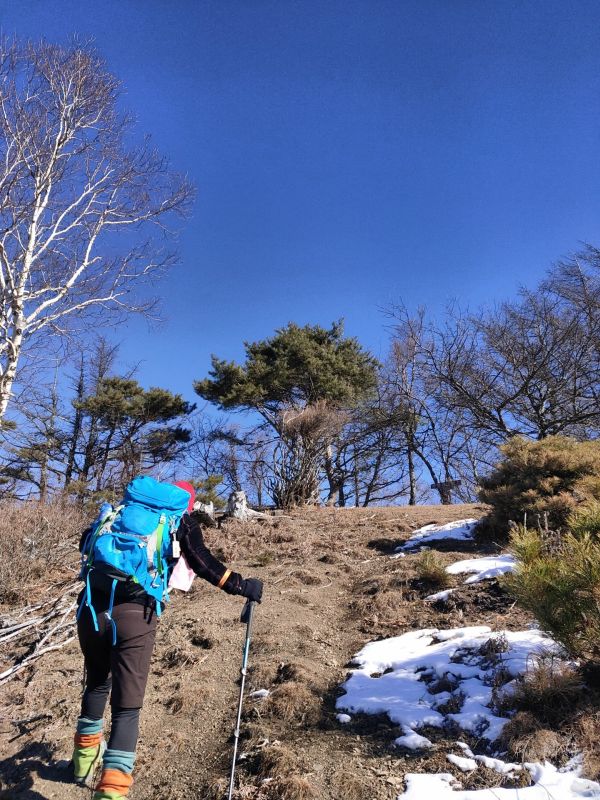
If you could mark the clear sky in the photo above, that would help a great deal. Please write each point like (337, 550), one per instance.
(349, 153)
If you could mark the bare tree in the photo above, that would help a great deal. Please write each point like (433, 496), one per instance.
(78, 205)
(529, 367)
(434, 429)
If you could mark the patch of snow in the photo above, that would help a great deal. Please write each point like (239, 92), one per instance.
(260, 694)
(405, 664)
(461, 530)
(503, 767)
(464, 764)
(483, 568)
(439, 597)
(344, 719)
(413, 741)
(549, 783)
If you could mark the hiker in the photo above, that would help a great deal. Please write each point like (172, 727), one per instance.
(116, 627)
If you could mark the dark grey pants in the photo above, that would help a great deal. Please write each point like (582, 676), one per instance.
(121, 669)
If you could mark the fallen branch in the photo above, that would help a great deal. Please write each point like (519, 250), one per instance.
(50, 629)
(9, 673)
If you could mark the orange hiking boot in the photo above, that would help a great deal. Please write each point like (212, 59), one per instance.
(113, 785)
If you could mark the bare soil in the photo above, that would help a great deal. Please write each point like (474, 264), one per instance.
(330, 587)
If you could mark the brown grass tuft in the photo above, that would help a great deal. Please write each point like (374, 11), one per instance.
(292, 787)
(493, 647)
(293, 672)
(386, 609)
(293, 702)
(526, 740)
(587, 734)
(550, 691)
(307, 578)
(349, 786)
(276, 762)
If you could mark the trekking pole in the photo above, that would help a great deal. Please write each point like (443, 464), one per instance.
(246, 619)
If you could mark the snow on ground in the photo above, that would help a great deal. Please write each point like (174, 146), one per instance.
(410, 666)
(418, 677)
(260, 694)
(440, 597)
(461, 530)
(549, 784)
(483, 569)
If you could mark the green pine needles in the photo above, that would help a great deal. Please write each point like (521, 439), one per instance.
(558, 580)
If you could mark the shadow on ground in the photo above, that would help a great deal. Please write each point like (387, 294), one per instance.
(17, 772)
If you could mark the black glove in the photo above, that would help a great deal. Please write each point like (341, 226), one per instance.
(252, 588)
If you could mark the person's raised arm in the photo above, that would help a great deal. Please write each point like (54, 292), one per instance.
(206, 566)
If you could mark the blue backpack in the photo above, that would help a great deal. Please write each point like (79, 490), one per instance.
(134, 541)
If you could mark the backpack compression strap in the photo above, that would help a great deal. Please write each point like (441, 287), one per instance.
(161, 567)
(86, 568)
(86, 600)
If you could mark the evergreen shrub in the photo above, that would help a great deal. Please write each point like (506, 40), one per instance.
(539, 483)
(558, 580)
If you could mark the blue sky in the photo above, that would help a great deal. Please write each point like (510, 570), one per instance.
(348, 154)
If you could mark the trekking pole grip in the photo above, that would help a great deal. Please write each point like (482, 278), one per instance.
(247, 612)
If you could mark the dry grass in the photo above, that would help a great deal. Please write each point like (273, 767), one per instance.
(381, 603)
(292, 787)
(293, 672)
(493, 647)
(264, 541)
(293, 702)
(349, 786)
(547, 699)
(178, 656)
(551, 691)
(526, 740)
(217, 790)
(261, 675)
(307, 578)
(587, 735)
(264, 559)
(276, 762)
(431, 570)
(35, 539)
(202, 641)
(174, 704)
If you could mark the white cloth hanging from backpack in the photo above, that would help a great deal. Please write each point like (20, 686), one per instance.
(182, 576)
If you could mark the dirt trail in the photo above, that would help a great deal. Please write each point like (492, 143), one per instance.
(330, 588)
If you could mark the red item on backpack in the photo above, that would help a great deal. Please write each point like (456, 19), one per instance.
(190, 490)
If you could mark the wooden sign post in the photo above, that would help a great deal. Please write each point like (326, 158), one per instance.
(445, 489)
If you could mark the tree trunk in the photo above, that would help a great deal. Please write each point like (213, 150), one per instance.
(412, 499)
(331, 479)
(237, 507)
(14, 351)
(102, 467)
(356, 481)
(76, 429)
